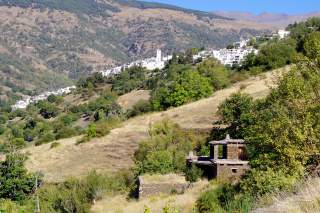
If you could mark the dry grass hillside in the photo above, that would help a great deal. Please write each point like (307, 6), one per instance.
(115, 150)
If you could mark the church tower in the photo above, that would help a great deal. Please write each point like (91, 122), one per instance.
(159, 56)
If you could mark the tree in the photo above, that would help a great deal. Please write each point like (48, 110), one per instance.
(236, 112)
(216, 72)
(47, 109)
(312, 46)
(188, 86)
(15, 182)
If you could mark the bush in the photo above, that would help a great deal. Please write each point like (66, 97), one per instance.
(47, 109)
(139, 108)
(166, 149)
(224, 198)
(76, 195)
(209, 201)
(158, 162)
(2, 129)
(66, 132)
(3, 119)
(15, 182)
(46, 138)
(18, 142)
(193, 173)
(55, 99)
(100, 129)
(129, 79)
(259, 182)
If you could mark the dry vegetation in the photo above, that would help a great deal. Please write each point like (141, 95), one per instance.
(184, 202)
(115, 150)
(305, 200)
(128, 100)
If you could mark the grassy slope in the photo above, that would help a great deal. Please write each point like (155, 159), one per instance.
(184, 203)
(305, 199)
(115, 150)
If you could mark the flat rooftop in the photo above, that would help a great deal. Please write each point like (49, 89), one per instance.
(227, 140)
(230, 162)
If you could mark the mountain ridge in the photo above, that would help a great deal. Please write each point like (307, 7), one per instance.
(279, 20)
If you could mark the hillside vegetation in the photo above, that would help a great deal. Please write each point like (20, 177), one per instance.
(115, 150)
(89, 135)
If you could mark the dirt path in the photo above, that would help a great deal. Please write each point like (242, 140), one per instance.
(115, 150)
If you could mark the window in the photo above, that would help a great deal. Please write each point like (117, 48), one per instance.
(234, 170)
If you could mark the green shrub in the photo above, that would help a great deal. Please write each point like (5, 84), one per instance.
(141, 107)
(158, 162)
(48, 137)
(224, 198)
(92, 131)
(15, 182)
(193, 173)
(166, 149)
(66, 132)
(259, 182)
(76, 195)
(2, 129)
(18, 142)
(209, 201)
(47, 109)
(129, 79)
(3, 119)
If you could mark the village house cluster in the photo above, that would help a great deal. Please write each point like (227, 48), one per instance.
(229, 56)
(152, 63)
(22, 104)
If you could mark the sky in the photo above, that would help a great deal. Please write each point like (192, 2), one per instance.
(255, 6)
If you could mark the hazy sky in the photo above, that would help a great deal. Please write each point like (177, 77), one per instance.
(256, 6)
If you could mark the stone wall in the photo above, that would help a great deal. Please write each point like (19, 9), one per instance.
(147, 189)
(232, 151)
(225, 171)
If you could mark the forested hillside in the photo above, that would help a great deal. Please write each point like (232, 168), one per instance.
(48, 44)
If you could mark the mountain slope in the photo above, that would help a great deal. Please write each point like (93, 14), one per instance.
(279, 20)
(45, 44)
(115, 150)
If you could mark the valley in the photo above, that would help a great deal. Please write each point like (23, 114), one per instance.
(67, 42)
(223, 118)
(115, 151)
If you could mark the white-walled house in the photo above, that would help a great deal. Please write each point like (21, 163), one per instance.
(232, 56)
(283, 34)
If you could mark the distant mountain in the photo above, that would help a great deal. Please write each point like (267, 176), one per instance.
(279, 20)
(45, 44)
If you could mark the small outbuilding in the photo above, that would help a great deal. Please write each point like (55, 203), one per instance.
(228, 159)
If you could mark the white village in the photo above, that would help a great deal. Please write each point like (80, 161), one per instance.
(226, 56)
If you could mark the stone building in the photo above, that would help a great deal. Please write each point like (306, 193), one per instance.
(154, 185)
(228, 159)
